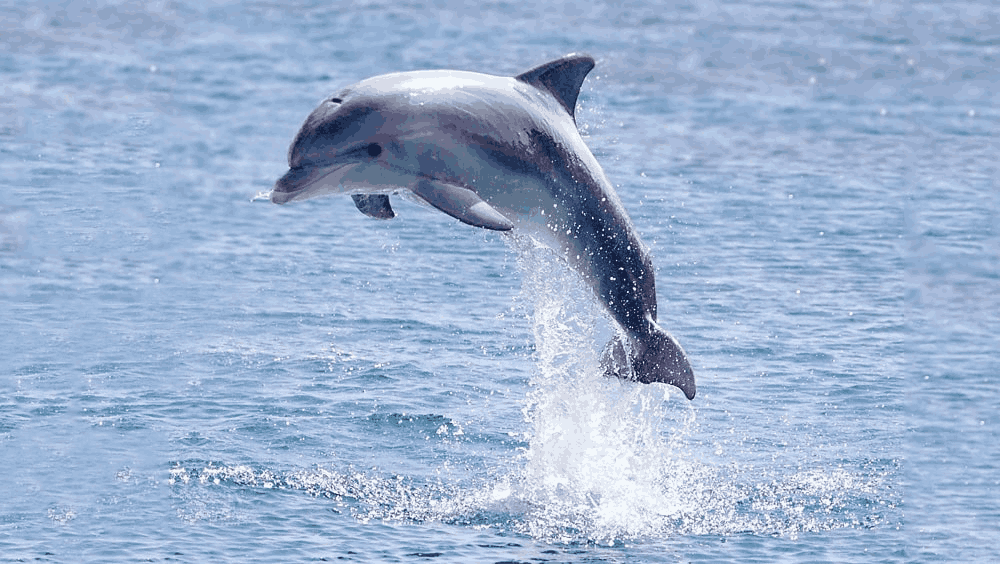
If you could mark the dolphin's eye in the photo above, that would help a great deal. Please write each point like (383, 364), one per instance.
(374, 150)
(336, 100)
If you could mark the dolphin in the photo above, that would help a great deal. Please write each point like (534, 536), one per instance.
(501, 153)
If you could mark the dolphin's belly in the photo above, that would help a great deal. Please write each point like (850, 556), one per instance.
(548, 219)
(594, 236)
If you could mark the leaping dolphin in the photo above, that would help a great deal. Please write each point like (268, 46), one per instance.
(500, 153)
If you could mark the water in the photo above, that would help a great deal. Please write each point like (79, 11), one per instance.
(190, 375)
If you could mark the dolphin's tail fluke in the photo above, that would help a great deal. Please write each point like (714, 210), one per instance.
(655, 357)
(659, 358)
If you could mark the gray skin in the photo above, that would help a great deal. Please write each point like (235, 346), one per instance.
(500, 153)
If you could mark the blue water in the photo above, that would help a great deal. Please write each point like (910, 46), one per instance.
(190, 375)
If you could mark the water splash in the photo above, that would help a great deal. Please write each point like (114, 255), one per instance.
(612, 461)
(606, 461)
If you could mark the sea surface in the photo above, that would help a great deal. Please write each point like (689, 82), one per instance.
(189, 373)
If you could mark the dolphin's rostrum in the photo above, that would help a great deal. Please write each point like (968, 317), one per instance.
(500, 153)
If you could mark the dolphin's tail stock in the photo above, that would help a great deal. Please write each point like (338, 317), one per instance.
(655, 357)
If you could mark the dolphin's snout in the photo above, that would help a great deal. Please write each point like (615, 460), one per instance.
(279, 197)
(291, 184)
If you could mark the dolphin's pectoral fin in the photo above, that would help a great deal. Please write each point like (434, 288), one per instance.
(562, 78)
(658, 357)
(462, 204)
(374, 205)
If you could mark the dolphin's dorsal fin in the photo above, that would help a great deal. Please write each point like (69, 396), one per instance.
(374, 205)
(462, 204)
(562, 78)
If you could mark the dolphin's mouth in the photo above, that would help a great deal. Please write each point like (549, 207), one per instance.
(302, 183)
